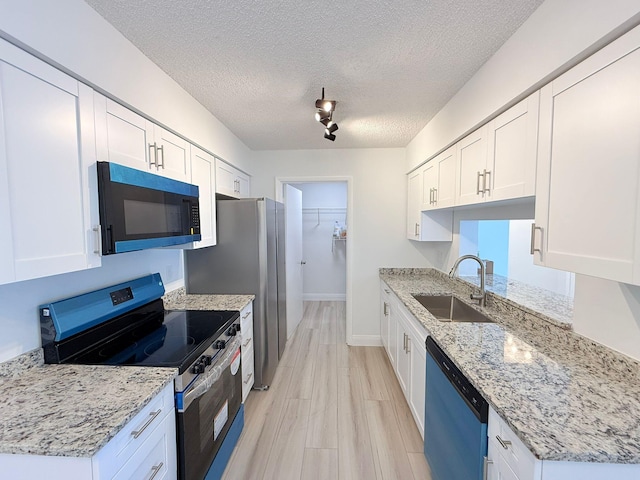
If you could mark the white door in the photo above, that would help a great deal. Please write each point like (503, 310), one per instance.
(293, 257)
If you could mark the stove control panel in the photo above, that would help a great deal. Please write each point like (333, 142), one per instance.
(121, 296)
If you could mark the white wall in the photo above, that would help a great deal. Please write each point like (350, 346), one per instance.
(377, 218)
(325, 271)
(77, 38)
(556, 33)
(74, 36)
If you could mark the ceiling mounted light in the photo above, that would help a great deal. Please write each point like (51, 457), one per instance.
(324, 115)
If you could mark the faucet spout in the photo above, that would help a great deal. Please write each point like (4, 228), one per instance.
(482, 296)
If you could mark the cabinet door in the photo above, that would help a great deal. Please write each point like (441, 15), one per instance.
(414, 201)
(445, 194)
(123, 136)
(512, 145)
(587, 190)
(429, 185)
(47, 158)
(403, 361)
(472, 162)
(393, 333)
(173, 157)
(203, 174)
(418, 361)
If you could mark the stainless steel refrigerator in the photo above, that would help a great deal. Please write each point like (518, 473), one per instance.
(248, 259)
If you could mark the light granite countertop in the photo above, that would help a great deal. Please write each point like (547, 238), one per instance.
(180, 300)
(70, 410)
(565, 396)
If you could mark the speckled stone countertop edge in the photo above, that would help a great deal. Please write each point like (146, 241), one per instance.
(49, 410)
(180, 300)
(452, 337)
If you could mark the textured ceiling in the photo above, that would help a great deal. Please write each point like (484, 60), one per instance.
(259, 66)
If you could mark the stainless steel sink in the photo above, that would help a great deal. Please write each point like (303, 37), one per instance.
(451, 309)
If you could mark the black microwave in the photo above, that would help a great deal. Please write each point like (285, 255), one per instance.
(141, 210)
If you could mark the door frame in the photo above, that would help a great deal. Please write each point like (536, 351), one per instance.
(279, 183)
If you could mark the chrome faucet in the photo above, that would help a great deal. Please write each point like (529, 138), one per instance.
(482, 296)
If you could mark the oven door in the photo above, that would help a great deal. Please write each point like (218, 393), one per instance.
(141, 210)
(209, 407)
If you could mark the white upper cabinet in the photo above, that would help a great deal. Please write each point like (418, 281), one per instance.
(472, 165)
(230, 181)
(47, 170)
(126, 138)
(498, 161)
(512, 145)
(203, 174)
(588, 179)
(432, 226)
(439, 181)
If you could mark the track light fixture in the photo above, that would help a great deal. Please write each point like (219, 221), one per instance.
(324, 115)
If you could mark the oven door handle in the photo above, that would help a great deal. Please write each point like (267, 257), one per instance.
(205, 381)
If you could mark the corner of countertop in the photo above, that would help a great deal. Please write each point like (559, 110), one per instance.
(17, 365)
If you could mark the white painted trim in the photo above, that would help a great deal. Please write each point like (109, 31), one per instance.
(324, 297)
(279, 182)
(365, 341)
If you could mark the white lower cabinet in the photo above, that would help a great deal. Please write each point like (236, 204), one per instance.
(407, 352)
(510, 459)
(246, 331)
(144, 449)
(47, 170)
(385, 312)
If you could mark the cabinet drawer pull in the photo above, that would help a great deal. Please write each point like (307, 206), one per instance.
(505, 443)
(97, 236)
(247, 342)
(385, 310)
(533, 238)
(153, 156)
(478, 191)
(486, 183)
(161, 149)
(248, 378)
(408, 349)
(153, 415)
(156, 469)
(246, 314)
(416, 230)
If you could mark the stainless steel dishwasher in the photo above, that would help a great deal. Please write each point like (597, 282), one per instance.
(455, 422)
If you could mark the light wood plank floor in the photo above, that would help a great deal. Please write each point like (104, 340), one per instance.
(332, 412)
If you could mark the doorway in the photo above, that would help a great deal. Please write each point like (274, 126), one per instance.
(325, 238)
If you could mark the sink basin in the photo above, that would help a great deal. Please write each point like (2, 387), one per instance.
(451, 309)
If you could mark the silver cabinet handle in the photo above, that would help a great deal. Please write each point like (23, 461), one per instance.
(408, 349)
(431, 196)
(417, 234)
(154, 160)
(386, 291)
(248, 378)
(156, 470)
(247, 342)
(385, 309)
(485, 468)
(505, 443)
(478, 191)
(486, 183)
(160, 149)
(435, 196)
(153, 415)
(533, 238)
(97, 239)
(405, 342)
(302, 262)
(246, 314)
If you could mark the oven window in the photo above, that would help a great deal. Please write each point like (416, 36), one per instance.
(148, 217)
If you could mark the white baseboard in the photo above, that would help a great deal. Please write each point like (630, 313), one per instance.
(324, 297)
(365, 341)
